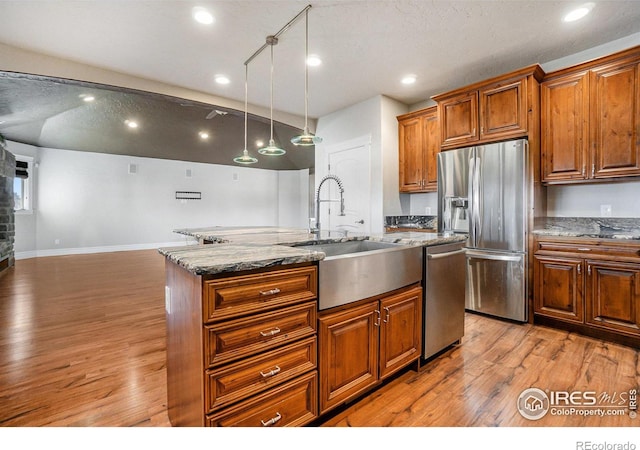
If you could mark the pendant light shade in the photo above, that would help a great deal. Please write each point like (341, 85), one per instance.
(306, 139)
(245, 158)
(272, 149)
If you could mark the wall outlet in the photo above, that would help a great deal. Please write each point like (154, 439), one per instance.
(56, 241)
(605, 210)
(235, 176)
(427, 210)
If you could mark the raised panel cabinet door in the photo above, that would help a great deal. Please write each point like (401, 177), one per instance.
(431, 139)
(459, 119)
(503, 110)
(558, 288)
(411, 154)
(565, 129)
(348, 353)
(613, 296)
(400, 331)
(615, 120)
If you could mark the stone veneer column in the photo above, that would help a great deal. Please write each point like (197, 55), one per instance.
(7, 216)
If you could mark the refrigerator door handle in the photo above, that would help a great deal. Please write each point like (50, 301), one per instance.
(472, 201)
(478, 197)
(472, 254)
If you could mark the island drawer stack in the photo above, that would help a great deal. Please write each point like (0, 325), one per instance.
(258, 351)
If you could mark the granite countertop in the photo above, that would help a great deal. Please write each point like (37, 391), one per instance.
(246, 248)
(590, 227)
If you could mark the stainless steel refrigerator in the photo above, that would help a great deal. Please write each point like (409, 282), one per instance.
(482, 192)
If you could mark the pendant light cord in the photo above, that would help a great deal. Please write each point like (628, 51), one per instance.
(246, 105)
(271, 92)
(306, 71)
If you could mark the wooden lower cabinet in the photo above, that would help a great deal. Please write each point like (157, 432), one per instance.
(593, 283)
(360, 345)
(231, 362)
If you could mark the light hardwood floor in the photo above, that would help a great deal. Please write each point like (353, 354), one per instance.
(82, 343)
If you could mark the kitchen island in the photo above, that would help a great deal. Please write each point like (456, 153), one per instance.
(242, 324)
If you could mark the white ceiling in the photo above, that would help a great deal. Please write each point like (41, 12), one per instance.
(366, 46)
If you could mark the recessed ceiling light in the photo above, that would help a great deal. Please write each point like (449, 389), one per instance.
(259, 143)
(201, 15)
(131, 123)
(222, 79)
(579, 12)
(203, 135)
(409, 79)
(314, 60)
(88, 98)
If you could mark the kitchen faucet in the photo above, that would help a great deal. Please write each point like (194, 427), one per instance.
(316, 230)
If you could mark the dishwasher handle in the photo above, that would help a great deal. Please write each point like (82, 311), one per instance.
(445, 255)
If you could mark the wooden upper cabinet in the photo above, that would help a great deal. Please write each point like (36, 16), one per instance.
(459, 119)
(490, 111)
(565, 140)
(615, 120)
(419, 145)
(590, 119)
(503, 109)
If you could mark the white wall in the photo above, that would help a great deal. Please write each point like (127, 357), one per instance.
(293, 198)
(394, 203)
(89, 202)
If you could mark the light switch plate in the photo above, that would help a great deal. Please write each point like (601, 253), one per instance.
(605, 210)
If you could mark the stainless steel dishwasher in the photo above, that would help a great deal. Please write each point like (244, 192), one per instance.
(444, 296)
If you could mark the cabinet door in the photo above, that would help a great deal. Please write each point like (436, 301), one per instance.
(615, 120)
(558, 288)
(431, 139)
(503, 110)
(400, 331)
(411, 155)
(613, 296)
(564, 118)
(348, 353)
(459, 119)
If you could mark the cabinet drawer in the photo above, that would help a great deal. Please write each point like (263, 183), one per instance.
(249, 377)
(590, 249)
(292, 404)
(233, 297)
(235, 339)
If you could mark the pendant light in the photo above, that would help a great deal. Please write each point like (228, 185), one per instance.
(245, 158)
(306, 139)
(272, 149)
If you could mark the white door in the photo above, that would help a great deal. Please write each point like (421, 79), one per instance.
(349, 161)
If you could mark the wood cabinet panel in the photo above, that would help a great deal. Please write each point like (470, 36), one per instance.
(613, 296)
(292, 404)
(503, 109)
(348, 343)
(615, 120)
(411, 154)
(400, 331)
(558, 290)
(459, 119)
(235, 339)
(236, 382)
(236, 296)
(565, 134)
(418, 148)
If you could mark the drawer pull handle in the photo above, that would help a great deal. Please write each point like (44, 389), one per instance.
(377, 322)
(272, 421)
(270, 373)
(271, 332)
(584, 249)
(270, 292)
(386, 319)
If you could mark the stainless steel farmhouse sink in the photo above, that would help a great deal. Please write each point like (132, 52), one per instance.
(355, 270)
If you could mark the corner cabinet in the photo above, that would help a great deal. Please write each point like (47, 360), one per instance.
(593, 283)
(419, 145)
(362, 344)
(590, 117)
(242, 347)
(493, 110)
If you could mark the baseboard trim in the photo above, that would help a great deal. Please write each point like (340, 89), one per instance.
(101, 249)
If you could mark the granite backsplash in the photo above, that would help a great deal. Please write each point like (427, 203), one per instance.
(597, 227)
(417, 222)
